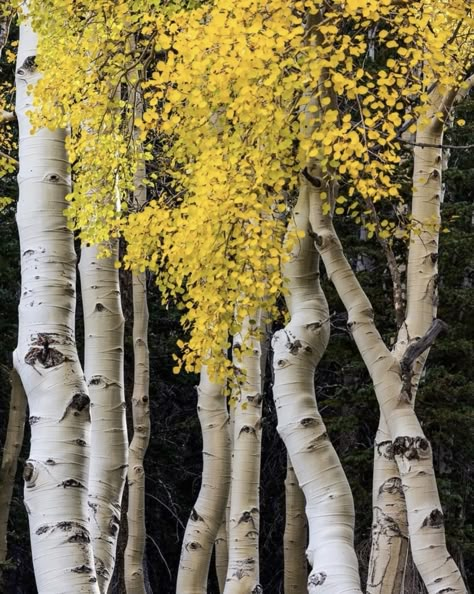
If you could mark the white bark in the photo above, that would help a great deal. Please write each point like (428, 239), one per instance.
(135, 549)
(295, 536)
(11, 451)
(390, 547)
(209, 509)
(103, 367)
(411, 449)
(56, 474)
(244, 519)
(297, 351)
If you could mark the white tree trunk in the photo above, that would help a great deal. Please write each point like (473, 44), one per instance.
(56, 474)
(135, 549)
(103, 367)
(298, 349)
(411, 449)
(390, 545)
(209, 509)
(295, 536)
(244, 520)
(389, 550)
(11, 451)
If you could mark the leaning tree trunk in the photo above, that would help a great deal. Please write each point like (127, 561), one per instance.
(392, 384)
(209, 509)
(103, 367)
(243, 573)
(56, 474)
(297, 350)
(390, 543)
(294, 537)
(11, 451)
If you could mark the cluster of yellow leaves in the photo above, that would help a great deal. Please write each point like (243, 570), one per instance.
(8, 145)
(240, 95)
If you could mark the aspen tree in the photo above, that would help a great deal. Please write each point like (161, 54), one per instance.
(392, 382)
(297, 351)
(136, 542)
(294, 537)
(11, 451)
(208, 511)
(103, 367)
(244, 517)
(56, 474)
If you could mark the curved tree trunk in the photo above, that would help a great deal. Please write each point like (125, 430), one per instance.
(295, 536)
(209, 509)
(56, 474)
(243, 573)
(103, 367)
(11, 451)
(297, 351)
(392, 383)
(390, 545)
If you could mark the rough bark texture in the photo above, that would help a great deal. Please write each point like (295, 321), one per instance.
(208, 511)
(297, 350)
(135, 549)
(244, 519)
(56, 474)
(11, 451)
(411, 449)
(103, 367)
(295, 536)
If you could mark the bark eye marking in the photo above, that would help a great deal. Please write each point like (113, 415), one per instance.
(81, 443)
(33, 420)
(78, 403)
(43, 353)
(193, 546)
(28, 66)
(412, 448)
(99, 307)
(385, 449)
(434, 520)
(71, 483)
(82, 569)
(317, 579)
(195, 517)
(29, 474)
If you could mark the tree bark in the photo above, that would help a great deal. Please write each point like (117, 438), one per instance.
(410, 448)
(135, 549)
(103, 367)
(295, 536)
(11, 451)
(244, 519)
(208, 511)
(56, 474)
(298, 349)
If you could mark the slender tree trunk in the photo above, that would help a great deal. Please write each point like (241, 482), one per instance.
(295, 536)
(390, 545)
(297, 351)
(388, 555)
(411, 449)
(134, 557)
(135, 549)
(56, 474)
(103, 367)
(209, 509)
(11, 451)
(244, 519)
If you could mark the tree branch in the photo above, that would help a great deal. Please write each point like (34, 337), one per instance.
(415, 350)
